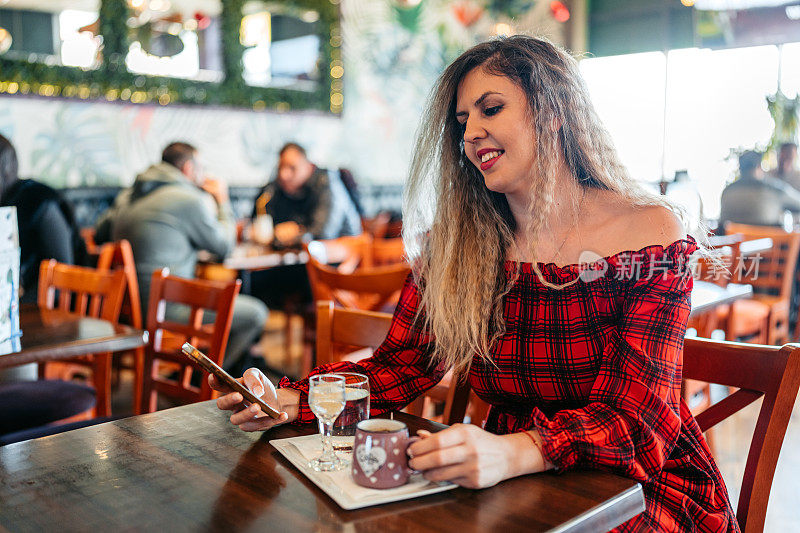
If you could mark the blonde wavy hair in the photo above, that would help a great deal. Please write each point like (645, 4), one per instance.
(458, 232)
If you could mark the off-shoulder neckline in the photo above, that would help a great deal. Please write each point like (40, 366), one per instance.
(688, 241)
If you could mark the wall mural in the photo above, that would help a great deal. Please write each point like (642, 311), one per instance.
(393, 51)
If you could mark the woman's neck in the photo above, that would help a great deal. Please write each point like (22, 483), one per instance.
(562, 212)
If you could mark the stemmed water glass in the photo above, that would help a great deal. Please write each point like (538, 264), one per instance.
(326, 398)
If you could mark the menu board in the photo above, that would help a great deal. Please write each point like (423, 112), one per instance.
(9, 279)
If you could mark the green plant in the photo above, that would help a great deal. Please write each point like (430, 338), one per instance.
(784, 112)
(113, 82)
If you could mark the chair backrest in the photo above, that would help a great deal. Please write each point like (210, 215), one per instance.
(340, 331)
(349, 253)
(388, 251)
(727, 249)
(757, 370)
(87, 292)
(773, 271)
(371, 289)
(119, 256)
(167, 334)
(81, 290)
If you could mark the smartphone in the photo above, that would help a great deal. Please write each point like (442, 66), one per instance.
(210, 366)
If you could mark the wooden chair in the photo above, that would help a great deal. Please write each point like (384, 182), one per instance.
(348, 253)
(771, 280)
(340, 331)
(119, 256)
(697, 394)
(388, 251)
(769, 371)
(371, 289)
(87, 292)
(727, 249)
(162, 353)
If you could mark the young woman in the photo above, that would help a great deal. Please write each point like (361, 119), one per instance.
(514, 185)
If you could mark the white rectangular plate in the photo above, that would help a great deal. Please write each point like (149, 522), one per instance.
(329, 483)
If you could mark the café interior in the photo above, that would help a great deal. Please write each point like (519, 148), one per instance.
(235, 174)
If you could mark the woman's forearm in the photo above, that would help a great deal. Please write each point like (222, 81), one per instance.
(289, 400)
(525, 456)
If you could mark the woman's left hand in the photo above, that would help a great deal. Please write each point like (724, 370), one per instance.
(464, 454)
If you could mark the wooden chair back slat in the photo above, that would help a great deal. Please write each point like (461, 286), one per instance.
(769, 371)
(86, 292)
(119, 256)
(774, 272)
(166, 336)
(726, 407)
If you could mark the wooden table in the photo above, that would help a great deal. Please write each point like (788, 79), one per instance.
(49, 335)
(189, 469)
(707, 295)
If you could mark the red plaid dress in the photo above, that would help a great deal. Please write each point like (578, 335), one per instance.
(595, 368)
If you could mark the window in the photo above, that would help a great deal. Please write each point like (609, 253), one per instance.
(687, 109)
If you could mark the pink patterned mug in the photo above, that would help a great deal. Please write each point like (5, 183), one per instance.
(379, 453)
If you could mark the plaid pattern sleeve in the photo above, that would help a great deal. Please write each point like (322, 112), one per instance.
(399, 370)
(632, 419)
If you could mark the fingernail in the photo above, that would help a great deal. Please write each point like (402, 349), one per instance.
(258, 390)
(254, 408)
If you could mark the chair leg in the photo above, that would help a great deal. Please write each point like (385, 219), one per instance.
(101, 376)
(148, 395)
(138, 377)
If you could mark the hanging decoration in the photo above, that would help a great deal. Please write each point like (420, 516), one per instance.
(559, 11)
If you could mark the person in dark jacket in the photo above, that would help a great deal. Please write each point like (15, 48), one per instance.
(47, 227)
(306, 201)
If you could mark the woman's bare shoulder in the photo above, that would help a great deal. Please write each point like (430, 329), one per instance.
(628, 227)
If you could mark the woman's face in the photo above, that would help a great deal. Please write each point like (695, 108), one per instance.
(499, 137)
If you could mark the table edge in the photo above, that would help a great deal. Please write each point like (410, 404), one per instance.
(133, 339)
(592, 519)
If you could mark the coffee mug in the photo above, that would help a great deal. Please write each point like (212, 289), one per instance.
(379, 453)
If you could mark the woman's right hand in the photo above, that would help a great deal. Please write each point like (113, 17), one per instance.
(250, 417)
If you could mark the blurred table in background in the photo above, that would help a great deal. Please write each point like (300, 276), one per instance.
(50, 335)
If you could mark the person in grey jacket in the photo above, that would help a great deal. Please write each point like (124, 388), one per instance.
(755, 198)
(168, 215)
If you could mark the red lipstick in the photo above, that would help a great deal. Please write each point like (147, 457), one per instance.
(486, 165)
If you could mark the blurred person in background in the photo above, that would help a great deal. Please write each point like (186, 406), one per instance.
(787, 166)
(305, 201)
(171, 212)
(755, 198)
(47, 227)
